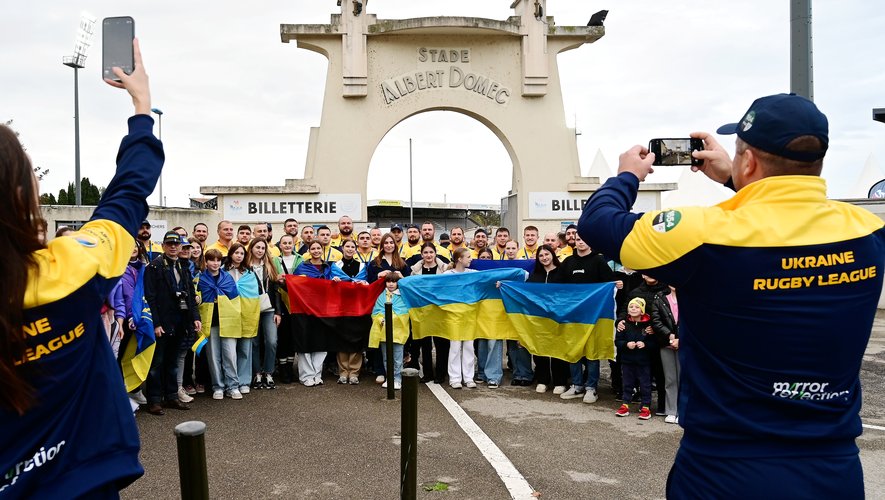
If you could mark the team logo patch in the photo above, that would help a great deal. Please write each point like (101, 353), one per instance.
(86, 241)
(747, 122)
(665, 221)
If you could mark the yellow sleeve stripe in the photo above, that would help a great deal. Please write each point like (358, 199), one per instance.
(100, 248)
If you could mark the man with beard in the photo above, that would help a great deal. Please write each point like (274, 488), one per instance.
(244, 235)
(144, 236)
(345, 232)
(502, 235)
(290, 227)
(570, 232)
(480, 241)
(306, 237)
(428, 234)
(201, 233)
(413, 242)
(457, 239)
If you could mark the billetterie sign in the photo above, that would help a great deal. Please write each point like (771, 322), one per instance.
(302, 207)
(452, 76)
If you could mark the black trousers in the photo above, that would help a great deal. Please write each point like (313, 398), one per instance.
(162, 379)
(551, 371)
(442, 357)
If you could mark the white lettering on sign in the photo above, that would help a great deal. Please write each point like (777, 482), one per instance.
(568, 206)
(279, 207)
(444, 55)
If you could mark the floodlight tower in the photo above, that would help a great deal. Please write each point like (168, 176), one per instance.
(78, 62)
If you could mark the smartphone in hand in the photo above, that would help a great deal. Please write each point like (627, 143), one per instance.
(117, 34)
(669, 152)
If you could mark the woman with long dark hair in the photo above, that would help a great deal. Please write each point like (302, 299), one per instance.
(548, 371)
(67, 427)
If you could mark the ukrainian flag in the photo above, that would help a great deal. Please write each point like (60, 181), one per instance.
(139, 351)
(250, 305)
(565, 321)
(459, 306)
(378, 333)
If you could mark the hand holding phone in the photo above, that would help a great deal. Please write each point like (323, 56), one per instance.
(117, 34)
(136, 83)
(669, 152)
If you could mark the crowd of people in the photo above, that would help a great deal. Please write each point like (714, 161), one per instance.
(189, 280)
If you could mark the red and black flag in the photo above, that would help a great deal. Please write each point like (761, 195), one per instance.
(331, 315)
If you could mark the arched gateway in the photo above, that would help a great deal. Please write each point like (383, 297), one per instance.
(502, 73)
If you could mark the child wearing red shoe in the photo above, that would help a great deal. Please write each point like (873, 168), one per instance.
(634, 346)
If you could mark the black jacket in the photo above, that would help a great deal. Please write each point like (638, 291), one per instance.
(160, 293)
(633, 332)
(647, 293)
(591, 268)
(539, 275)
(662, 321)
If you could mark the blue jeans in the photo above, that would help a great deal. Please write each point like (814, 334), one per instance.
(589, 380)
(222, 357)
(397, 360)
(521, 359)
(490, 360)
(267, 332)
(244, 361)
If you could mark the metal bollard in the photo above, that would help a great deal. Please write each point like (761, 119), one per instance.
(409, 436)
(388, 339)
(191, 438)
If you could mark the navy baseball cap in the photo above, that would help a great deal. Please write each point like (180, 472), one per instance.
(772, 122)
(397, 227)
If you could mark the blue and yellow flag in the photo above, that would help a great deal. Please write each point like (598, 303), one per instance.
(459, 306)
(400, 320)
(250, 305)
(565, 321)
(139, 351)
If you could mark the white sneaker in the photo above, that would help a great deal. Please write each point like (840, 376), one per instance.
(309, 383)
(384, 385)
(138, 397)
(318, 381)
(244, 389)
(183, 396)
(235, 394)
(559, 389)
(573, 392)
(397, 385)
(471, 384)
(342, 379)
(457, 385)
(354, 380)
(590, 396)
(671, 419)
(218, 395)
(379, 379)
(541, 388)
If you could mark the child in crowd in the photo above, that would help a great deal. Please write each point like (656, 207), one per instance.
(462, 358)
(400, 327)
(634, 347)
(217, 287)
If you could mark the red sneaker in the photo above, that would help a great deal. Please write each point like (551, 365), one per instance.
(644, 413)
(623, 411)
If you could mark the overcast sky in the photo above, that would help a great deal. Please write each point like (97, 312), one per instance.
(239, 103)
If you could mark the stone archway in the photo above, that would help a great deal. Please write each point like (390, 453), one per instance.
(502, 73)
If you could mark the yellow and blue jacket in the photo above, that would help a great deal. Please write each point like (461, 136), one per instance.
(778, 288)
(80, 434)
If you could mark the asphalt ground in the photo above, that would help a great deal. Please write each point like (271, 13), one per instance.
(336, 441)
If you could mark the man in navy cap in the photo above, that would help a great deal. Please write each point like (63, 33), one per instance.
(771, 349)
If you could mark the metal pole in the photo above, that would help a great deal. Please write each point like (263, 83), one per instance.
(191, 438)
(78, 199)
(162, 201)
(409, 436)
(411, 195)
(388, 344)
(801, 64)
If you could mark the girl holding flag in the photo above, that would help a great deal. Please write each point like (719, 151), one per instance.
(250, 311)
(266, 276)
(462, 360)
(400, 327)
(310, 364)
(217, 289)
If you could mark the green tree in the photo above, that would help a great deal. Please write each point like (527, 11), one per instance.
(48, 199)
(89, 192)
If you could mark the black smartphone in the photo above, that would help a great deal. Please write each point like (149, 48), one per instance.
(117, 34)
(670, 152)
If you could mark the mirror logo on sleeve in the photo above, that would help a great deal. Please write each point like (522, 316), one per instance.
(665, 221)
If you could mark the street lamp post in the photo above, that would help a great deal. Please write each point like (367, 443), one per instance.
(78, 62)
(159, 114)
